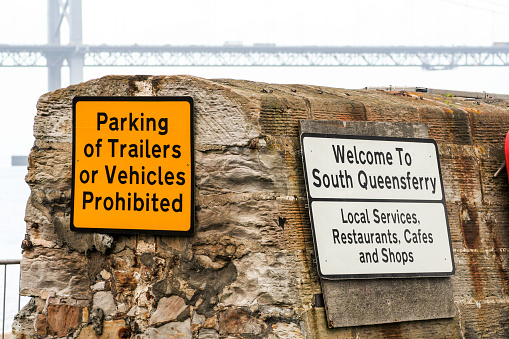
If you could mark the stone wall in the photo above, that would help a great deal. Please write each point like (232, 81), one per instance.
(249, 270)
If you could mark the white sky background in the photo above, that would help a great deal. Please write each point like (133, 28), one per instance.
(283, 22)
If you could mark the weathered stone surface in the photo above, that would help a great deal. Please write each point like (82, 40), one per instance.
(208, 333)
(27, 322)
(52, 229)
(239, 322)
(172, 330)
(105, 301)
(51, 270)
(262, 278)
(111, 329)
(165, 288)
(168, 309)
(41, 325)
(249, 270)
(207, 285)
(240, 170)
(98, 286)
(286, 330)
(62, 319)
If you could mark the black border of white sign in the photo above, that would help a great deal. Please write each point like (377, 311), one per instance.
(377, 206)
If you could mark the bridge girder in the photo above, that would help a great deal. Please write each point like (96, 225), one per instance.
(426, 57)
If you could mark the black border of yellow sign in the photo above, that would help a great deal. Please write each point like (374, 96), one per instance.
(175, 114)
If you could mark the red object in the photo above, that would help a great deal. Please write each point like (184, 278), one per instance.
(507, 154)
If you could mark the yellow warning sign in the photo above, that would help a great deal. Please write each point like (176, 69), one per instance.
(133, 165)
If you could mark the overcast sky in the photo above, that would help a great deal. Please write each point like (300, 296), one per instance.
(205, 22)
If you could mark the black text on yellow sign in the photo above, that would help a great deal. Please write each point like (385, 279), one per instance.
(133, 165)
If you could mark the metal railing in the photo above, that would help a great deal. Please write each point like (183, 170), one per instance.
(6, 262)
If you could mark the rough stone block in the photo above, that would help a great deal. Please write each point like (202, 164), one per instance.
(287, 330)
(208, 333)
(62, 319)
(105, 301)
(53, 270)
(168, 309)
(250, 269)
(111, 329)
(172, 330)
(237, 322)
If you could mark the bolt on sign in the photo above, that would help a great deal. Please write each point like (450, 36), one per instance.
(133, 165)
(377, 206)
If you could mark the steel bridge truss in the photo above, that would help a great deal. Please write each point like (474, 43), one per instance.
(77, 55)
(429, 58)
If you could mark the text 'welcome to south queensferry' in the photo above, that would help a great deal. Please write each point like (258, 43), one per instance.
(355, 168)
